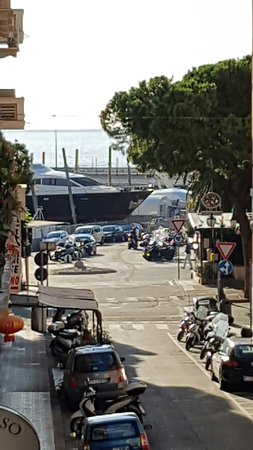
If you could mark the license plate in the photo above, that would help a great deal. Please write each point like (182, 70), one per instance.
(248, 379)
(98, 381)
(121, 448)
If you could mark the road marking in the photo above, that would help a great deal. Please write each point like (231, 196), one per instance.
(162, 326)
(138, 326)
(114, 326)
(226, 394)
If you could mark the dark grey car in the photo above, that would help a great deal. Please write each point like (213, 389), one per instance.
(103, 367)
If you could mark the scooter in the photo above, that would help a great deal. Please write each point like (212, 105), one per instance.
(126, 400)
(132, 243)
(184, 325)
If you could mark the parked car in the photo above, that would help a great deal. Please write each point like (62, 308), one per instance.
(113, 233)
(233, 363)
(95, 230)
(59, 237)
(101, 364)
(127, 227)
(88, 241)
(114, 431)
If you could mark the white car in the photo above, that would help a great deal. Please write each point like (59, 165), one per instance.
(60, 237)
(95, 230)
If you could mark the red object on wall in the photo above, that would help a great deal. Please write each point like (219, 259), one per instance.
(9, 325)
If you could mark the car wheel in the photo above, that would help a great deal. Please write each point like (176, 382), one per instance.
(223, 384)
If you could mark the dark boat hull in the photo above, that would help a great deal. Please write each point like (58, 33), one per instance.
(111, 206)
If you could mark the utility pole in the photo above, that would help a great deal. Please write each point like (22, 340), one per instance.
(71, 201)
(251, 193)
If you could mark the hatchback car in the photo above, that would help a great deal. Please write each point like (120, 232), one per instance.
(103, 367)
(88, 241)
(95, 230)
(121, 431)
(59, 237)
(113, 233)
(233, 363)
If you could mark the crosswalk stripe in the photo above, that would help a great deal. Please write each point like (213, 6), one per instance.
(138, 326)
(162, 326)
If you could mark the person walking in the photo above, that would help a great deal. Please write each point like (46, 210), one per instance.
(187, 255)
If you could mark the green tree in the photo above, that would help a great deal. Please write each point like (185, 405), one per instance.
(198, 128)
(15, 168)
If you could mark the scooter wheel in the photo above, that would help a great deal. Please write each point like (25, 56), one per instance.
(76, 427)
(180, 335)
(203, 352)
(189, 343)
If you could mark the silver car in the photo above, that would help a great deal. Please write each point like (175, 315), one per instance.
(95, 230)
(103, 367)
(59, 237)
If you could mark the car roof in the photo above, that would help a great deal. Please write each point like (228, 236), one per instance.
(238, 340)
(108, 418)
(86, 349)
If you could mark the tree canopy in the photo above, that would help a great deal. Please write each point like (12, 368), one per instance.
(199, 125)
(198, 128)
(15, 168)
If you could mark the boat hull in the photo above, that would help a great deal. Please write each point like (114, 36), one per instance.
(111, 206)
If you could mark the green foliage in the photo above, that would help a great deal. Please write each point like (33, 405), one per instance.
(14, 169)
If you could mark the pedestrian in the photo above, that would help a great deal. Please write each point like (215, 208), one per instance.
(187, 255)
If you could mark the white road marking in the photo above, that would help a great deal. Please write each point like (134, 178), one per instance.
(162, 326)
(226, 394)
(114, 326)
(138, 326)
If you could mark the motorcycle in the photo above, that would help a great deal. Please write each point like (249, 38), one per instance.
(184, 325)
(132, 242)
(214, 338)
(199, 329)
(67, 334)
(126, 400)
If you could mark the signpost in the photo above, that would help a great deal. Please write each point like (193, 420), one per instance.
(226, 249)
(16, 431)
(178, 239)
(225, 267)
(178, 224)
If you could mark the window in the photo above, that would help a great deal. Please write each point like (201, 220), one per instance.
(115, 430)
(244, 351)
(95, 362)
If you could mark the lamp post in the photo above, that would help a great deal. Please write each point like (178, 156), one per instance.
(55, 146)
(211, 220)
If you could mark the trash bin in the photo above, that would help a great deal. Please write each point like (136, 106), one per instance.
(39, 319)
(226, 307)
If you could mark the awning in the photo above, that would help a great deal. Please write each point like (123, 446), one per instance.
(56, 297)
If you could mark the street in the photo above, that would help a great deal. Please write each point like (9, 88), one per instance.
(142, 303)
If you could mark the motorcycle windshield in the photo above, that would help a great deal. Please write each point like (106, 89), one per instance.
(220, 326)
(202, 312)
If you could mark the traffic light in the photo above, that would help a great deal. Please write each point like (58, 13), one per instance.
(41, 260)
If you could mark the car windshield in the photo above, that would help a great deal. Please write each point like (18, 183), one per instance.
(109, 228)
(95, 362)
(83, 230)
(244, 351)
(53, 234)
(116, 430)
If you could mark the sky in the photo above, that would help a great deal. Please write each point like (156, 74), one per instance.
(77, 53)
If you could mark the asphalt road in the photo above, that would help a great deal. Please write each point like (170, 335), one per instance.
(142, 303)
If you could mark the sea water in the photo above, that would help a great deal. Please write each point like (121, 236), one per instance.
(93, 146)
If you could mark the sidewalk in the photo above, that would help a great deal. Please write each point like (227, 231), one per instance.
(25, 380)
